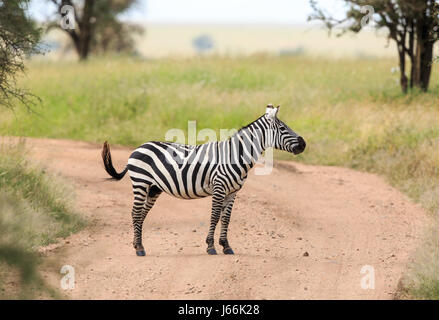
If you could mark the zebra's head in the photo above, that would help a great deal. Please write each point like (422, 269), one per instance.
(281, 136)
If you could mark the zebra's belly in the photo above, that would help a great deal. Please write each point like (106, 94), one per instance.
(190, 194)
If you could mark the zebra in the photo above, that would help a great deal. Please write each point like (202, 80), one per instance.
(218, 169)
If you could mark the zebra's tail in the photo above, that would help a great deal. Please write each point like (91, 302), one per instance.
(106, 156)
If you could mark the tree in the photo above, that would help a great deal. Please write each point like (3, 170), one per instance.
(412, 24)
(111, 35)
(95, 26)
(19, 37)
(203, 43)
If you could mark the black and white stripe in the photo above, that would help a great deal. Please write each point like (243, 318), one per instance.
(216, 169)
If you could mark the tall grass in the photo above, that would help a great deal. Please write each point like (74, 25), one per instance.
(34, 211)
(351, 111)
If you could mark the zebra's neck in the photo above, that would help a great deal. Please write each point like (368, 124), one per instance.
(250, 142)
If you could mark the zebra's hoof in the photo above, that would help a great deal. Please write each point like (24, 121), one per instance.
(228, 251)
(211, 252)
(140, 253)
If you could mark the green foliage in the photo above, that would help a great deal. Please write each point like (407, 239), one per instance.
(18, 37)
(110, 34)
(412, 24)
(33, 212)
(99, 28)
(423, 280)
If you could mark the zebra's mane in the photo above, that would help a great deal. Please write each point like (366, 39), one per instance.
(247, 126)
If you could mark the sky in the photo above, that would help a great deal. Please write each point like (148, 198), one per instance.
(214, 11)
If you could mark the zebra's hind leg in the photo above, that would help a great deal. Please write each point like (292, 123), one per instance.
(217, 204)
(225, 219)
(139, 215)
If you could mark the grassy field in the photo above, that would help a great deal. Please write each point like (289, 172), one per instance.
(34, 212)
(350, 111)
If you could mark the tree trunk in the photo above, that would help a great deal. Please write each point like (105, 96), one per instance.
(416, 76)
(421, 69)
(426, 64)
(86, 29)
(411, 50)
(402, 52)
(403, 79)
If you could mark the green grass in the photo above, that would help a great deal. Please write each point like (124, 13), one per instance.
(34, 212)
(423, 280)
(351, 112)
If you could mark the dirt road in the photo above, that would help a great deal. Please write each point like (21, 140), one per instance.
(302, 232)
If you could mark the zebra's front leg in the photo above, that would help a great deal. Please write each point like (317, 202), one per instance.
(217, 205)
(225, 219)
(139, 218)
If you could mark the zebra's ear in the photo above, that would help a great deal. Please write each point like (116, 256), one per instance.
(271, 112)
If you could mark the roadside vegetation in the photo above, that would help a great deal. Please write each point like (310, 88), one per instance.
(351, 113)
(35, 211)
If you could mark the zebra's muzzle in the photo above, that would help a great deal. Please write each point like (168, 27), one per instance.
(300, 147)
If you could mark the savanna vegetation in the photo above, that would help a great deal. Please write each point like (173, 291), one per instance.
(34, 212)
(33, 208)
(411, 24)
(351, 112)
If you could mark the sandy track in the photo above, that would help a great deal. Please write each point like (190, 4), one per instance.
(302, 232)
